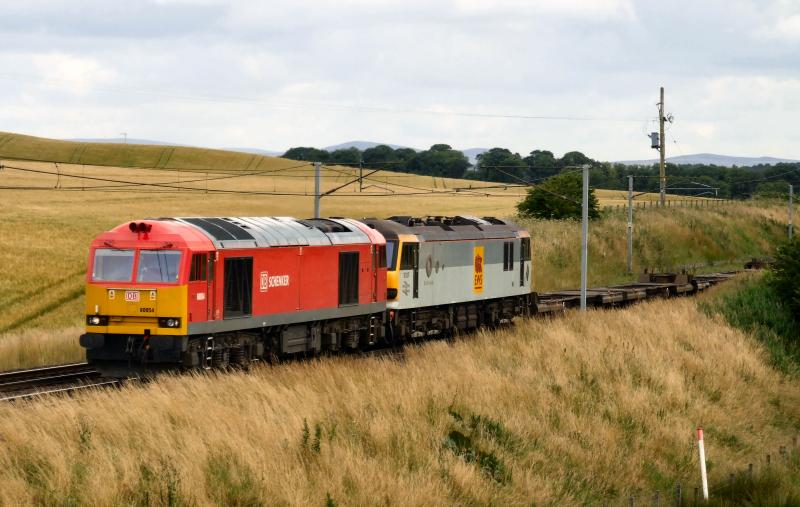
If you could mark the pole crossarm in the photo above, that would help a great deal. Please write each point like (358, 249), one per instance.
(333, 190)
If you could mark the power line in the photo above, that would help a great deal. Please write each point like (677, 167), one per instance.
(125, 183)
(166, 169)
(168, 187)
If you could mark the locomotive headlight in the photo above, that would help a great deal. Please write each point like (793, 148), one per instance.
(97, 320)
(169, 322)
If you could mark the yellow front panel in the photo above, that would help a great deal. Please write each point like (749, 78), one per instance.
(131, 310)
(393, 277)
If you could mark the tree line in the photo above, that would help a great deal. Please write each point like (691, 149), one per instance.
(504, 166)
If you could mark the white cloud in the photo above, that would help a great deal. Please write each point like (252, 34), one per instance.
(731, 95)
(77, 74)
(599, 10)
(788, 28)
(278, 74)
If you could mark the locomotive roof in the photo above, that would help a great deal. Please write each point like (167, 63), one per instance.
(254, 232)
(446, 228)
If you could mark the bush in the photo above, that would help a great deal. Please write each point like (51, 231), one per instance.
(786, 279)
(755, 306)
(558, 197)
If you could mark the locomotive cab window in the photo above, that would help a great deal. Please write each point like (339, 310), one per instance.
(508, 256)
(199, 266)
(408, 256)
(161, 266)
(391, 254)
(111, 265)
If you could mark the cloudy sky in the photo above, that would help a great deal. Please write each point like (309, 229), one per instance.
(524, 74)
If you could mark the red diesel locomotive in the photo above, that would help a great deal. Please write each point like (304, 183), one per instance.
(212, 292)
(217, 291)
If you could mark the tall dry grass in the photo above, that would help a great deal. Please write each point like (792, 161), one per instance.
(44, 236)
(663, 239)
(566, 411)
(36, 347)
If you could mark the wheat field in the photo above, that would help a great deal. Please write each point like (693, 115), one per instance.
(583, 409)
(572, 411)
(45, 233)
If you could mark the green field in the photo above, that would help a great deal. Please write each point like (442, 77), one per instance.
(21, 147)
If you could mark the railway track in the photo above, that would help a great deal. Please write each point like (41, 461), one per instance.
(70, 378)
(65, 378)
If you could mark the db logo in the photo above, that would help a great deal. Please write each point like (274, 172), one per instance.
(267, 281)
(132, 296)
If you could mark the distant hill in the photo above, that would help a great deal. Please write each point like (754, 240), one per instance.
(148, 155)
(711, 159)
(472, 153)
(120, 140)
(151, 142)
(257, 151)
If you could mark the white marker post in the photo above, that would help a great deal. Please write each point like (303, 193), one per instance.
(702, 450)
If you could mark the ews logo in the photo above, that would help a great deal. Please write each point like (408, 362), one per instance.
(477, 271)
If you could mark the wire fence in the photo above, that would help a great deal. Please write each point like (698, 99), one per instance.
(736, 486)
(672, 203)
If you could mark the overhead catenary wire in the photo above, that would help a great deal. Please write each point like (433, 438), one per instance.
(125, 183)
(152, 187)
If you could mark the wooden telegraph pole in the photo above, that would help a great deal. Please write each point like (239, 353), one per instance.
(662, 150)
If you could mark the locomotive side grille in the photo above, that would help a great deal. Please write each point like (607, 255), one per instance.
(221, 230)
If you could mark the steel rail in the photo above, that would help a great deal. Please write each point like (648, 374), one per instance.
(60, 390)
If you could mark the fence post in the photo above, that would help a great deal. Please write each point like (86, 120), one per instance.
(769, 459)
(750, 471)
(678, 499)
(657, 498)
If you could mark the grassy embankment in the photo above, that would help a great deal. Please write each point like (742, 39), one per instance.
(44, 234)
(568, 411)
(753, 305)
